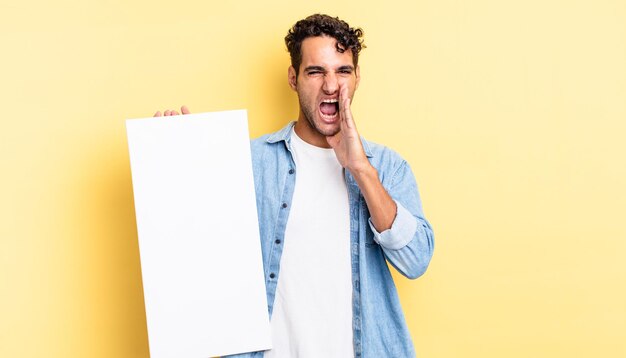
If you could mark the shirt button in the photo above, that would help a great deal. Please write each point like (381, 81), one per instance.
(277, 241)
(291, 171)
(272, 275)
(284, 205)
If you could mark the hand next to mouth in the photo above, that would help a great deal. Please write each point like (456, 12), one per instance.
(347, 143)
(349, 151)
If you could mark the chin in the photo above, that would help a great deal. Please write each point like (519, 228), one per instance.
(327, 129)
(327, 126)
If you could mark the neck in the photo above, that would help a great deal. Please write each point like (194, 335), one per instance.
(307, 133)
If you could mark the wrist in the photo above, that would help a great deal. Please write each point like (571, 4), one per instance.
(363, 171)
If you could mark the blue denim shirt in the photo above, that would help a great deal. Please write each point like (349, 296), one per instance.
(379, 328)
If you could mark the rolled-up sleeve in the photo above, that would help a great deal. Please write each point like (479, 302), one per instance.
(401, 231)
(408, 245)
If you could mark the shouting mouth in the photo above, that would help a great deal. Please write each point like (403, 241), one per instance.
(329, 109)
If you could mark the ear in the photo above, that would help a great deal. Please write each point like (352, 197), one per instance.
(357, 72)
(291, 77)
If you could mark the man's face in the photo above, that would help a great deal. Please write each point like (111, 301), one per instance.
(323, 71)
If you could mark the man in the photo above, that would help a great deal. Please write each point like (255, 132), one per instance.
(333, 209)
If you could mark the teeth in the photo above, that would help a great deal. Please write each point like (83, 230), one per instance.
(329, 116)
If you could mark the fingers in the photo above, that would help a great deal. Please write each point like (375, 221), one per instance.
(348, 113)
(343, 94)
(171, 112)
(344, 106)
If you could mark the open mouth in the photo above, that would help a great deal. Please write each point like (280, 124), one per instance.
(329, 108)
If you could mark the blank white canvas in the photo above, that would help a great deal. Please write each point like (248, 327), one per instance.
(198, 233)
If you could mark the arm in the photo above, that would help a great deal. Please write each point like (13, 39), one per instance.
(409, 243)
(396, 217)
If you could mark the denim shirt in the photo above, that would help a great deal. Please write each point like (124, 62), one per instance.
(379, 328)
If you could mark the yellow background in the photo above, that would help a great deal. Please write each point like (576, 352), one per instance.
(511, 113)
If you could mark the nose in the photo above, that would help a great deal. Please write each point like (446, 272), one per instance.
(331, 84)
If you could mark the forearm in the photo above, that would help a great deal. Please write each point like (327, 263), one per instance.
(381, 206)
(404, 234)
(408, 245)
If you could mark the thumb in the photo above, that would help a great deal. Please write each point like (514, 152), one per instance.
(333, 140)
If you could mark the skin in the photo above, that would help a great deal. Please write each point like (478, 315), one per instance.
(326, 73)
(323, 73)
(168, 112)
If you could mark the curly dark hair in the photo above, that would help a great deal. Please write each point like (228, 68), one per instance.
(317, 25)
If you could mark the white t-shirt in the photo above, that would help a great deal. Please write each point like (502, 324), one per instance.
(312, 315)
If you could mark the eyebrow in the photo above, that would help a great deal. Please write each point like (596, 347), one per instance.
(314, 68)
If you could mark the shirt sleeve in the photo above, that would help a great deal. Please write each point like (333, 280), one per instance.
(408, 245)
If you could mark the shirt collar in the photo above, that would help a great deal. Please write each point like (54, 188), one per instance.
(284, 135)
